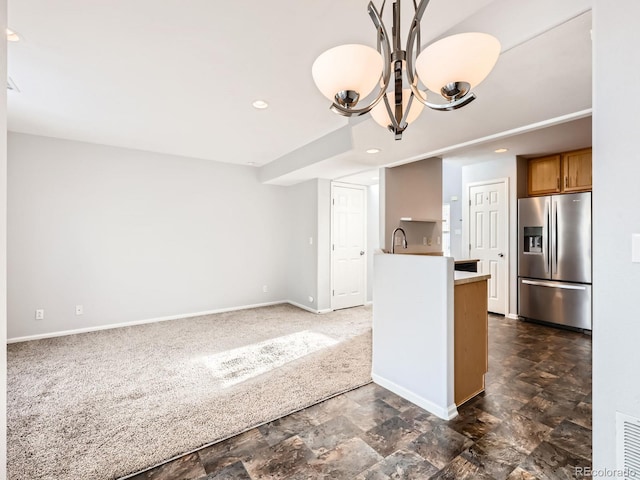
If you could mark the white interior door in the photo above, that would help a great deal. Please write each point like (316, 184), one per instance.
(488, 239)
(348, 238)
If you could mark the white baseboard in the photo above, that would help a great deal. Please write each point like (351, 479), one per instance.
(161, 319)
(309, 309)
(513, 316)
(447, 413)
(142, 322)
(303, 307)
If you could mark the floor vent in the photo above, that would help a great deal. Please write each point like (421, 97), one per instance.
(628, 445)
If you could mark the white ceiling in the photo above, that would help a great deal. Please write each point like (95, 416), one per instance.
(179, 77)
(563, 137)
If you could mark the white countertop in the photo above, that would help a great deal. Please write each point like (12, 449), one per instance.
(460, 278)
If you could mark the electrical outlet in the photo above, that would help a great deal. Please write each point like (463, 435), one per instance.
(39, 314)
(438, 240)
(79, 310)
(429, 242)
(265, 289)
(310, 240)
(424, 240)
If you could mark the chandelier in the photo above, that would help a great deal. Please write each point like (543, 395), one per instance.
(448, 69)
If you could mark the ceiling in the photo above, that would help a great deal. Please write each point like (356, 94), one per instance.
(179, 78)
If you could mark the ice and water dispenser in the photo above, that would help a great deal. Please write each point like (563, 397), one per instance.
(533, 240)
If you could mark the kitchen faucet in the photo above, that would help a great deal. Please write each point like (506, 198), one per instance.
(393, 239)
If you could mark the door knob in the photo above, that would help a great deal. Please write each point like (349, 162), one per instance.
(501, 255)
(361, 252)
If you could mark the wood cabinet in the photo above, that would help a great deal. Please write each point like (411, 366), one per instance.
(576, 170)
(562, 173)
(471, 340)
(544, 175)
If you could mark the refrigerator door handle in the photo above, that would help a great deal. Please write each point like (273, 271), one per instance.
(564, 286)
(556, 238)
(545, 245)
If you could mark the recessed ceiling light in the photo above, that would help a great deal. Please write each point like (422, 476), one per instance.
(12, 36)
(501, 150)
(373, 150)
(260, 104)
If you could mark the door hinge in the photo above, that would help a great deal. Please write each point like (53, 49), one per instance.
(469, 247)
(333, 293)
(469, 202)
(333, 201)
(333, 246)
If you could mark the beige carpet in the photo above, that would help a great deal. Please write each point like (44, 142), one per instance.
(106, 404)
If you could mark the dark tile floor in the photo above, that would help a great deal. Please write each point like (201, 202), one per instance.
(532, 422)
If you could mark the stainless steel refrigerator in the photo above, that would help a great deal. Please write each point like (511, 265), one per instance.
(554, 260)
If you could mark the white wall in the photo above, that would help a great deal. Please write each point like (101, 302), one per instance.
(302, 244)
(504, 168)
(616, 215)
(3, 249)
(133, 235)
(413, 330)
(373, 231)
(412, 190)
(452, 187)
(323, 247)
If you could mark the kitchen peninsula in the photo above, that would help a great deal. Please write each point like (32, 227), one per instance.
(429, 331)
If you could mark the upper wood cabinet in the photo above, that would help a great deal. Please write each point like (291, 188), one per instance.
(544, 175)
(576, 170)
(562, 173)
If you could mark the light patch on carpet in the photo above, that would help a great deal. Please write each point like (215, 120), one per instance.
(235, 366)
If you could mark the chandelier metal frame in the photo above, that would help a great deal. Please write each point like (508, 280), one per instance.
(458, 94)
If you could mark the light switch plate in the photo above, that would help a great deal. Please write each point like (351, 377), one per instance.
(635, 248)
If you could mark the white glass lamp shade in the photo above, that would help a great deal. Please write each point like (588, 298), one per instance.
(466, 57)
(347, 67)
(381, 116)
